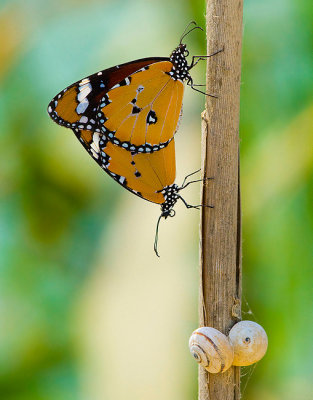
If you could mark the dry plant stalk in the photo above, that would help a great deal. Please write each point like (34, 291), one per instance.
(220, 247)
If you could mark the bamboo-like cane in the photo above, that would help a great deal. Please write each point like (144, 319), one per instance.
(220, 248)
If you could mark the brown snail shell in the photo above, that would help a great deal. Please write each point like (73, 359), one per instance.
(211, 349)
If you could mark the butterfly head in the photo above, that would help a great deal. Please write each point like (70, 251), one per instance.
(178, 58)
(183, 49)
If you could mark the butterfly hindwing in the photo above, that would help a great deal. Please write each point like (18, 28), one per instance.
(145, 175)
(141, 113)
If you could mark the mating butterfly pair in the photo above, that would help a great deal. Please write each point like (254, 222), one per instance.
(126, 117)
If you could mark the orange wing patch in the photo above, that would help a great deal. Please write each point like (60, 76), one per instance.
(65, 106)
(143, 109)
(146, 175)
(86, 137)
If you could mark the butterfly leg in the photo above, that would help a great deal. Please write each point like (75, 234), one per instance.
(184, 184)
(187, 176)
(192, 85)
(197, 180)
(191, 206)
(196, 59)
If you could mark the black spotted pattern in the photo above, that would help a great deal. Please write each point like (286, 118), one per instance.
(180, 65)
(134, 149)
(151, 117)
(136, 110)
(125, 81)
(170, 194)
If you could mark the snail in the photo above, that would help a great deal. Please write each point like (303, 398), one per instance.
(249, 341)
(216, 352)
(211, 349)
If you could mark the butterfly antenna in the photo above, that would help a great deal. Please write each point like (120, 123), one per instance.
(192, 29)
(190, 23)
(157, 236)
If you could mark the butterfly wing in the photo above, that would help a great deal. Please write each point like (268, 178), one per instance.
(80, 107)
(145, 175)
(76, 105)
(141, 113)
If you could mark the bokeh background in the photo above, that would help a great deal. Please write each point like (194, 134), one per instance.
(87, 312)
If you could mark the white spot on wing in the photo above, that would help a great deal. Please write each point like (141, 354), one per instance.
(96, 139)
(140, 88)
(95, 144)
(83, 119)
(96, 155)
(82, 106)
(83, 92)
(115, 86)
(84, 81)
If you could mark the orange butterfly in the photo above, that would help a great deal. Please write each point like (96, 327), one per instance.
(126, 117)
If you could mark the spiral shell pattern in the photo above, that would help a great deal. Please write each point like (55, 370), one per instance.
(211, 349)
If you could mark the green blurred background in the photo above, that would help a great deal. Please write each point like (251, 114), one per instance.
(87, 311)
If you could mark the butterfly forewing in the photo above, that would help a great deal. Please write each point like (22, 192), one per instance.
(76, 106)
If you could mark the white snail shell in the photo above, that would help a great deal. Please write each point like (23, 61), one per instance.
(211, 349)
(249, 341)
